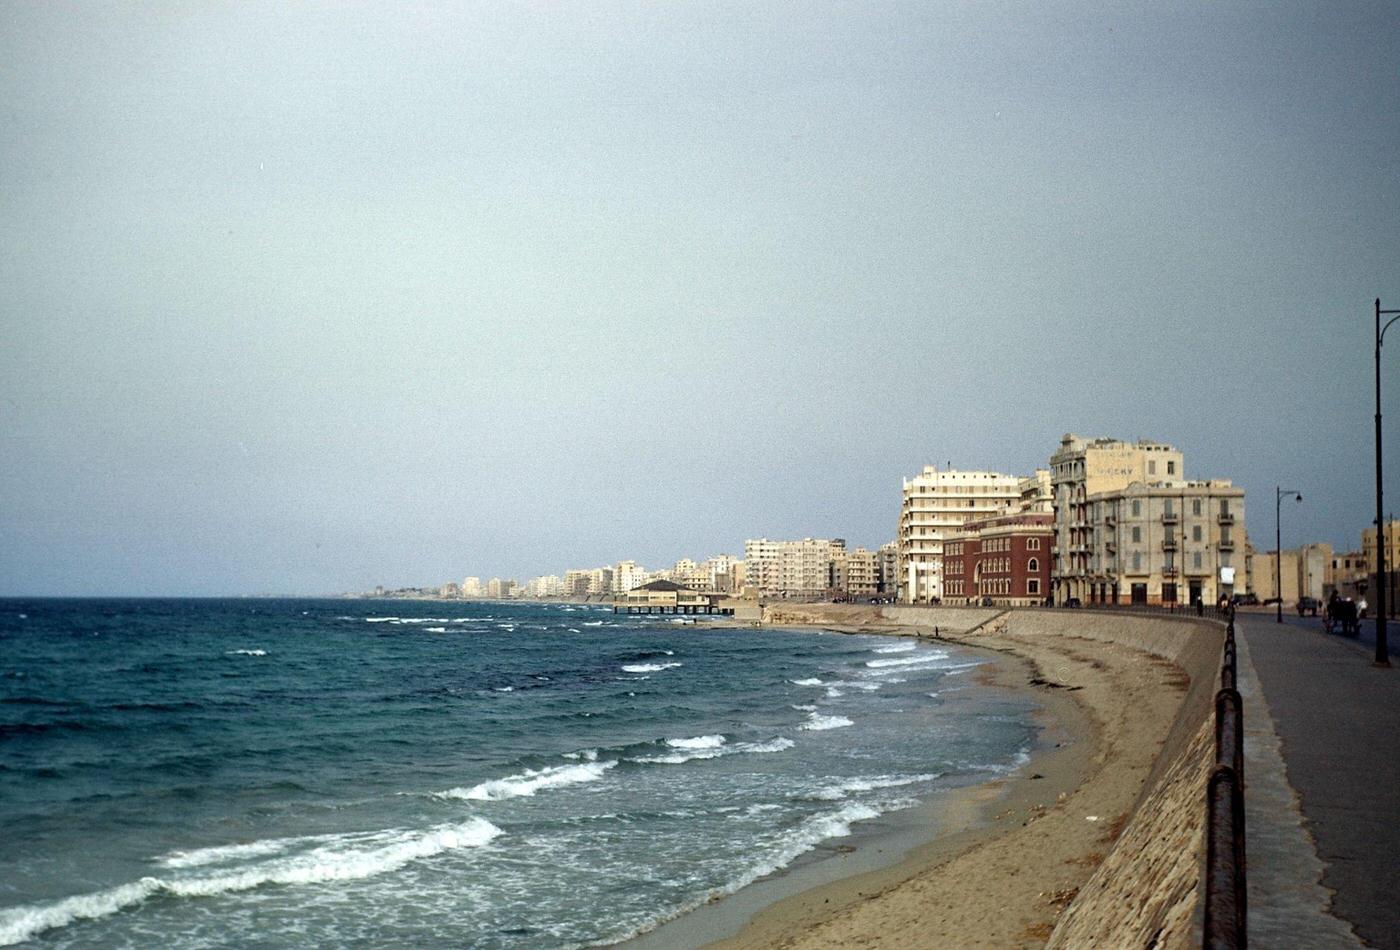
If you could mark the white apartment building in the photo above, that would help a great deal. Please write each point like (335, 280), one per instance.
(471, 587)
(862, 576)
(627, 575)
(795, 569)
(936, 503)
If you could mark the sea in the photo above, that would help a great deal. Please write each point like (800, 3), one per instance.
(278, 773)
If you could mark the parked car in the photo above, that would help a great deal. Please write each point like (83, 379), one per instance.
(1308, 606)
(1245, 600)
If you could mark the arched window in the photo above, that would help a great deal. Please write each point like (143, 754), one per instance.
(1033, 565)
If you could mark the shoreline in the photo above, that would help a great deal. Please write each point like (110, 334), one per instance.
(843, 871)
(995, 864)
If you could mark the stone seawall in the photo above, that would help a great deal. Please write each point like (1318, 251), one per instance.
(1147, 891)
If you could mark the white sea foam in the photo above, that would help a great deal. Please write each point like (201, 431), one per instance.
(436, 629)
(898, 648)
(805, 707)
(863, 685)
(649, 667)
(505, 689)
(819, 723)
(380, 619)
(705, 748)
(838, 792)
(699, 742)
(530, 781)
(573, 630)
(590, 755)
(776, 744)
(593, 623)
(806, 836)
(229, 852)
(923, 658)
(245, 652)
(833, 693)
(810, 681)
(338, 858)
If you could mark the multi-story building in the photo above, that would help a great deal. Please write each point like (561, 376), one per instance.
(761, 558)
(495, 589)
(1168, 542)
(1392, 547)
(791, 569)
(1004, 559)
(936, 503)
(450, 591)
(738, 577)
(471, 587)
(720, 569)
(862, 577)
(1304, 571)
(627, 575)
(600, 581)
(887, 569)
(549, 585)
(1081, 468)
(576, 583)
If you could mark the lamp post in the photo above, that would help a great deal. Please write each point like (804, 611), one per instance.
(1382, 649)
(1278, 543)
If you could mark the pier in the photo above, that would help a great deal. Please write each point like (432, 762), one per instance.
(668, 597)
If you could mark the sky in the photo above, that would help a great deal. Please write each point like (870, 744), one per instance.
(305, 298)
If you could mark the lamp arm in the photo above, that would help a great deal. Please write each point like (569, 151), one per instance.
(1381, 338)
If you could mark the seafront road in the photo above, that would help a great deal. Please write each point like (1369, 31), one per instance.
(1337, 722)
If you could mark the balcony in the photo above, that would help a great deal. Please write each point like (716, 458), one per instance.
(1169, 544)
(1225, 518)
(1227, 544)
(1170, 517)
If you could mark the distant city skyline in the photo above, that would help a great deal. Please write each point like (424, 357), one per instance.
(304, 300)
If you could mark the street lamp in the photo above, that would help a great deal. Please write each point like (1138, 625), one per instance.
(1278, 543)
(1382, 650)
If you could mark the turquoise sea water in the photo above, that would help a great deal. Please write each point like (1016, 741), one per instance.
(279, 773)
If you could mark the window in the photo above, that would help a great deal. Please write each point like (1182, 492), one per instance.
(1137, 532)
(1137, 508)
(1196, 507)
(1196, 560)
(1195, 532)
(1171, 468)
(1167, 508)
(1224, 507)
(1032, 544)
(1151, 467)
(1032, 565)
(1137, 561)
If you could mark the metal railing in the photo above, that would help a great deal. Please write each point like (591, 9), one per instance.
(1225, 910)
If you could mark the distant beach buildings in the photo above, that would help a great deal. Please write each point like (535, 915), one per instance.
(1106, 521)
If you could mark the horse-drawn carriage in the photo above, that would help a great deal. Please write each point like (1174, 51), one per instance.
(1341, 617)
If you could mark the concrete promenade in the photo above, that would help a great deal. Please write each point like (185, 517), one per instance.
(1337, 722)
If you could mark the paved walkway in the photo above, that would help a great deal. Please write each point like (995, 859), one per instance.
(1337, 720)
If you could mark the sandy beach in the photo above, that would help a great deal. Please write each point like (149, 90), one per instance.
(1013, 859)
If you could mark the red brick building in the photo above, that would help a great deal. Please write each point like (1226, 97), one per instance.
(1005, 558)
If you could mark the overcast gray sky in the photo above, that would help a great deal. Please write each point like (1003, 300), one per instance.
(305, 298)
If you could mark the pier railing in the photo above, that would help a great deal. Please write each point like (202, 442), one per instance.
(1225, 911)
